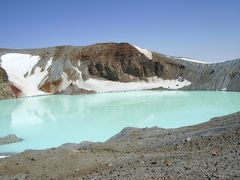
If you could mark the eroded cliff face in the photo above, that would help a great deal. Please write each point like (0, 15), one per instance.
(111, 61)
(111, 67)
(224, 76)
(5, 89)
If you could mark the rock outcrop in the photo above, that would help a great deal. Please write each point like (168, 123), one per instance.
(5, 87)
(11, 138)
(214, 76)
(106, 67)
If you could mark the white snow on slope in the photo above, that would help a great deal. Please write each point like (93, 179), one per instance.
(1, 157)
(192, 60)
(19, 67)
(113, 86)
(146, 52)
(197, 61)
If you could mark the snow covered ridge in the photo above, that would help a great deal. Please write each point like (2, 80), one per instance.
(146, 52)
(23, 74)
(200, 62)
(192, 60)
(149, 55)
(189, 59)
(195, 61)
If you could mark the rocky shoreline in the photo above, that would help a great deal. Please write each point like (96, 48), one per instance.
(209, 150)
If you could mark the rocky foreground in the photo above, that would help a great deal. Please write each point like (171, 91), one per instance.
(206, 151)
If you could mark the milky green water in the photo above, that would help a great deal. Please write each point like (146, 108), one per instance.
(50, 121)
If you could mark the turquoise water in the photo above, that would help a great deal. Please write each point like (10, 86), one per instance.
(49, 121)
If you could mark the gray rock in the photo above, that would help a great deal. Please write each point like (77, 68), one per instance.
(11, 138)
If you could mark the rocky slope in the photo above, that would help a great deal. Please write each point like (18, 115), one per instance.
(5, 87)
(110, 67)
(206, 151)
(214, 76)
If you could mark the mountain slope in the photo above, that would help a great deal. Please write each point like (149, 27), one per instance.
(108, 67)
(5, 89)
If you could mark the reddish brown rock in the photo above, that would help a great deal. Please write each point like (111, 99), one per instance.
(51, 87)
(16, 91)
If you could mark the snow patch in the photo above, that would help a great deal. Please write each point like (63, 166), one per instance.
(191, 60)
(146, 52)
(22, 74)
(1, 157)
(113, 86)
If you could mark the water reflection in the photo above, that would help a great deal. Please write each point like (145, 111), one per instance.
(49, 121)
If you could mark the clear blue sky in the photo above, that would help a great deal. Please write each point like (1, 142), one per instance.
(207, 30)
